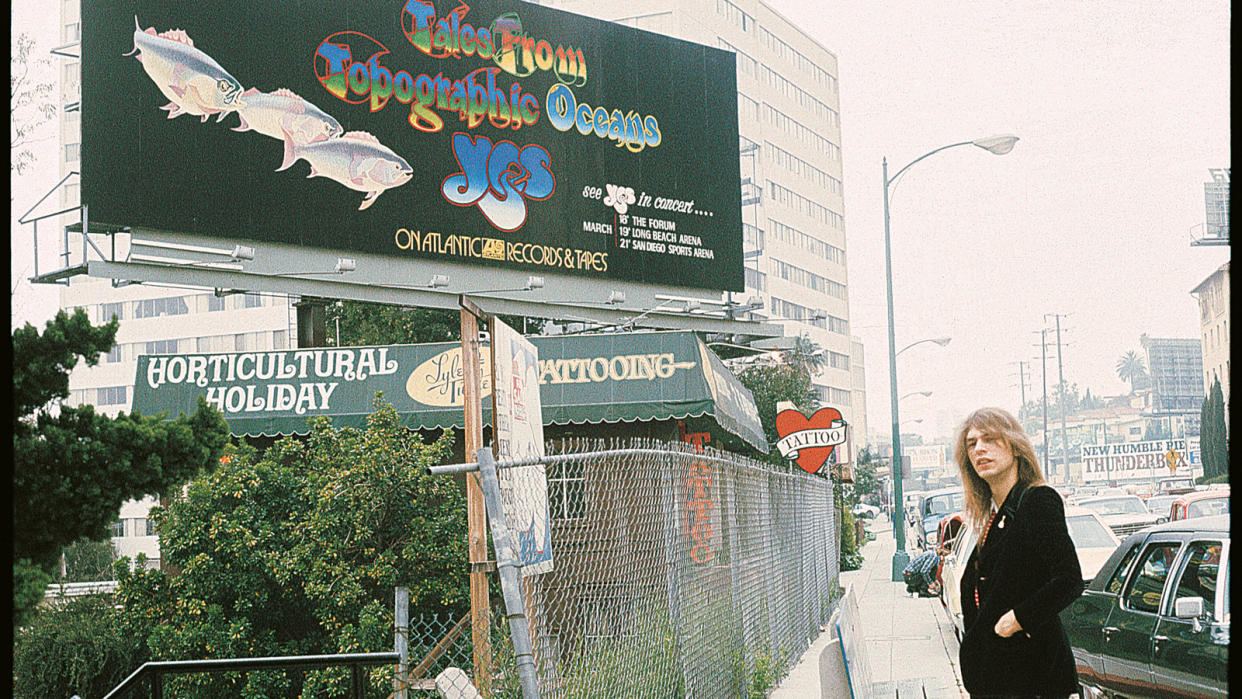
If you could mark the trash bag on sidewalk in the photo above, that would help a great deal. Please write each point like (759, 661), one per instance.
(920, 574)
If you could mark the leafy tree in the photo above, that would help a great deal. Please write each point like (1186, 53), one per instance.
(1213, 440)
(771, 383)
(1130, 368)
(30, 101)
(72, 468)
(298, 551)
(380, 324)
(85, 648)
(364, 323)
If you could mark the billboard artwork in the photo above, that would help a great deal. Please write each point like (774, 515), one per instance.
(495, 133)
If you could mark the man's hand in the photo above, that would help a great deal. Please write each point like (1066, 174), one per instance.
(1007, 625)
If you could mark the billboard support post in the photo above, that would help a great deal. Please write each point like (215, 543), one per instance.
(476, 514)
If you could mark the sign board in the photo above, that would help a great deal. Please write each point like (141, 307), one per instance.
(810, 441)
(1153, 459)
(519, 435)
(931, 457)
(502, 134)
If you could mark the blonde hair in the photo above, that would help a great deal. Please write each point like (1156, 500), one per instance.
(993, 423)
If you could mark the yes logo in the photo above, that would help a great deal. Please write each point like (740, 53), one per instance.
(619, 197)
(498, 178)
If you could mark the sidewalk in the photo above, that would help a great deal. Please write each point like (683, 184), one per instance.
(910, 641)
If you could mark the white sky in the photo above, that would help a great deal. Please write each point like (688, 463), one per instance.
(1121, 107)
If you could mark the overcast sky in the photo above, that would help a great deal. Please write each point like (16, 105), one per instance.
(1121, 107)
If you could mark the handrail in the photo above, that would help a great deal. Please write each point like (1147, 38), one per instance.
(55, 187)
(157, 669)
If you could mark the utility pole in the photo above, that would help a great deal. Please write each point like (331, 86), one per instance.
(1021, 381)
(1061, 382)
(1043, 353)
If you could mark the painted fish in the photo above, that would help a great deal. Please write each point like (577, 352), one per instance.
(357, 160)
(274, 113)
(192, 81)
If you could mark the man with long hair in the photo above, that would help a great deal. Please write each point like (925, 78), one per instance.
(1023, 571)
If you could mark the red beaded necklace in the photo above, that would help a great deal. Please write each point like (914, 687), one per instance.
(983, 538)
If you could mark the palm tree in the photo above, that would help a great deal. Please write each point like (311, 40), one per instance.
(1130, 368)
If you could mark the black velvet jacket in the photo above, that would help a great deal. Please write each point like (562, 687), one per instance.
(1028, 564)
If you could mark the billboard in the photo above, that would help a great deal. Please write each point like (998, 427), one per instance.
(1150, 460)
(498, 133)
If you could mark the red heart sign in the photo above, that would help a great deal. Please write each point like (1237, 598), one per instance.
(788, 422)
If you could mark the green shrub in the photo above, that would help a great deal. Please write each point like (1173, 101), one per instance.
(79, 648)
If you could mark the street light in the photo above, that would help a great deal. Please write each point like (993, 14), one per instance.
(925, 394)
(942, 341)
(999, 145)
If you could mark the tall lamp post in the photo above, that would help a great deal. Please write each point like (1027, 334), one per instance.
(998, 145)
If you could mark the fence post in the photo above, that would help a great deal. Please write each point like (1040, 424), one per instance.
(357, 689)
(509, 567)
(401, 643)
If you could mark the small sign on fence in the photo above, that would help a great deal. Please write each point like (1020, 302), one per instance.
(519, 435)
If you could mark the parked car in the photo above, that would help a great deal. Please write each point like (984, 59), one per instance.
(1124, 514)
(1159, 505)
(862, 509)
(1155, 621)
(936, 504)
(1175, 485)
(1093, 541)
(1200, 503)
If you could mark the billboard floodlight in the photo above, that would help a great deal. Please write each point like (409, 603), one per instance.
(345, 264)
(615, 298)
(438, 281)
(241, 252)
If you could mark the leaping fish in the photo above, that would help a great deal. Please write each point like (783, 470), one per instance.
(274, 113)
(192, 81)
(357, 160)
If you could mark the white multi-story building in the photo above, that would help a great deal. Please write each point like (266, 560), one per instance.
(1213, 295)
(153, 319)
(792, 207)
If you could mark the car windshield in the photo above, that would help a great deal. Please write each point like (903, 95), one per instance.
(943, 504)
(1088, 532)
(1117, 506)
(1160, 504)
(1208, 507)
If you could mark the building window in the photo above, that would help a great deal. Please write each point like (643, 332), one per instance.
(114, 355)
(116, 529)
(71, 152)
(756, 279)
(113, 395)
(808, 279)
(162, 347)
(215, 303)
(838, 361)
(71, 80)
(71, 32)
(239, 342)
(280, 339)
(154, 308)
(253, 301)
(108, 311)
(734, 14)
(566, 491)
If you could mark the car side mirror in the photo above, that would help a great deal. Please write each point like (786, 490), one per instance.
(1189, 608)
(1161, 520)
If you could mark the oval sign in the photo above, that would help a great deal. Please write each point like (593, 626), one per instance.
(439, 381)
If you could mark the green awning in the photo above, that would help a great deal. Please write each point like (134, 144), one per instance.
(608, 378)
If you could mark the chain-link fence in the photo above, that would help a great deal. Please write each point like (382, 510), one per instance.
(676, 572)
